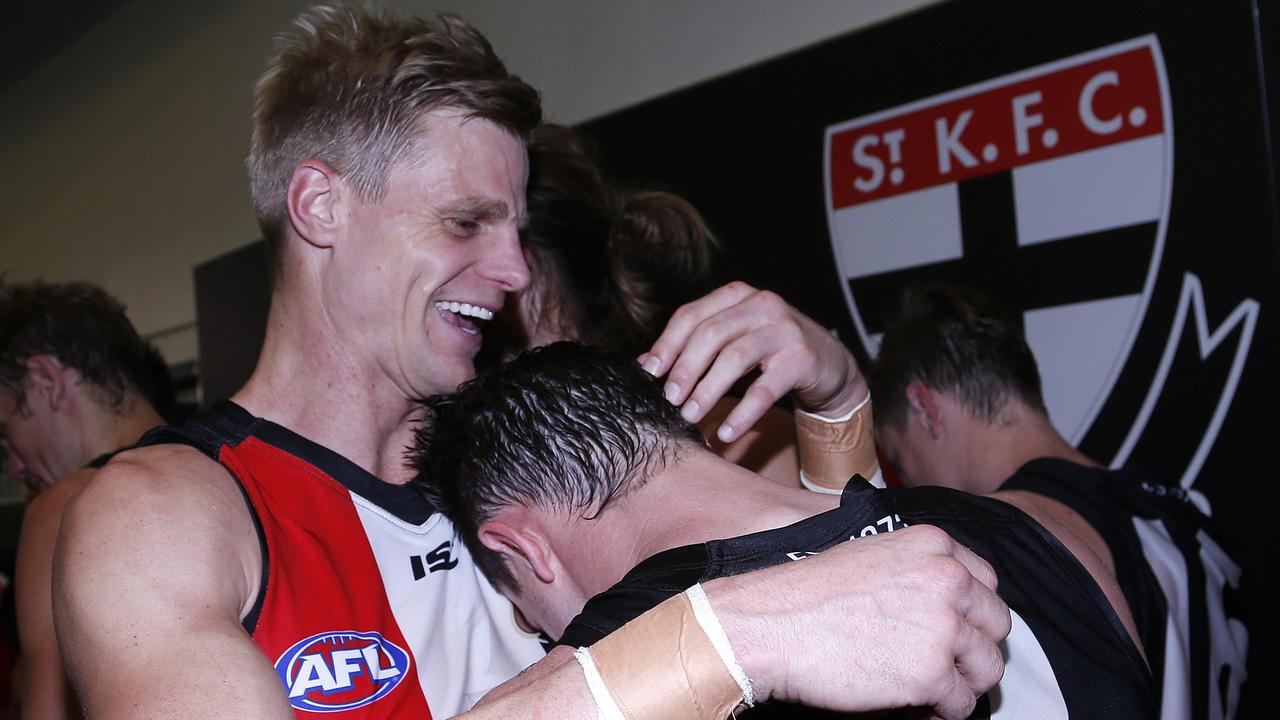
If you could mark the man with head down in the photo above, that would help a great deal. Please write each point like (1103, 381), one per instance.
(270, 557)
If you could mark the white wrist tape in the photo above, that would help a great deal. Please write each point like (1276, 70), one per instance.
(706, 617)
(808, 484)
(843, 418)
(606, 708)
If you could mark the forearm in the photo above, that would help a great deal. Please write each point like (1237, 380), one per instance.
(899, 619)
(673, 662)
(550, 689)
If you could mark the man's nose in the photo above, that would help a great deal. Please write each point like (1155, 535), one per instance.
(505, 263)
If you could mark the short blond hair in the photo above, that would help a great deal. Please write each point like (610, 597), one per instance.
(347, 86)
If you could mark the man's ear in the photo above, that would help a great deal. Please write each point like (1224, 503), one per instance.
(925, 408)
(314, 201)
(48, 381)
(520, 545)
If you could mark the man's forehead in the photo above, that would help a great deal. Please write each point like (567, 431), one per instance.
(477, 162)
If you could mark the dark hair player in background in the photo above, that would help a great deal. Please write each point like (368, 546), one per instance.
(77, 385)
(958, 404)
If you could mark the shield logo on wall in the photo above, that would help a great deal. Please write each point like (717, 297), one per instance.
(1048, 187)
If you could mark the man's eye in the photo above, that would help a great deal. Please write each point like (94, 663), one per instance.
(464, 226)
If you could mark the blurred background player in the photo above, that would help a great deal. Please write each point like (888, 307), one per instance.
(958, 404)
(77, 384)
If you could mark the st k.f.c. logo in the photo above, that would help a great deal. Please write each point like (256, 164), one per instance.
(1048, 187)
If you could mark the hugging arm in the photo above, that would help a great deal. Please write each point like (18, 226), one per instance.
(900, 619)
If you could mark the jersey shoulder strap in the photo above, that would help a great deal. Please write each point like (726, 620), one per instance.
(225, 424)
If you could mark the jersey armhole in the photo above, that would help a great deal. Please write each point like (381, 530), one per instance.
(250, 620)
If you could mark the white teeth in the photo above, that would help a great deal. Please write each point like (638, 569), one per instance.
(465, 309)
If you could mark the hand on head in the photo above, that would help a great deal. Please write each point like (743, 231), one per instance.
(712, 342)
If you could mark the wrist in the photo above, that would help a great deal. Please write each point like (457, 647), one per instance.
(754, 650)
(844, 402)
(834, 449)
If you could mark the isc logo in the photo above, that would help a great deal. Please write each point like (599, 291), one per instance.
(335, 671)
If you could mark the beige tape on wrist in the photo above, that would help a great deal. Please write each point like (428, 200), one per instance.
(663, 665)
(832, 451)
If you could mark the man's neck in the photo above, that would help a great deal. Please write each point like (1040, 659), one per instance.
(1018, 436)
(312, 383)
(105, 430)
(696, 498)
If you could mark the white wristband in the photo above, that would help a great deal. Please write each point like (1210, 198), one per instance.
(706, 617)
(606, 708)
(843, 418)
(815, 487)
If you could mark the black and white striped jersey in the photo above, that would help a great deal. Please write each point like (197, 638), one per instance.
(1067, 656)
(1182, 588)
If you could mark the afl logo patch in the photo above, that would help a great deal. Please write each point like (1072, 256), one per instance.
(341, 670)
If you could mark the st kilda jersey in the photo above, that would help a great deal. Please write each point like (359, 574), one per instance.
(1067, 655)
(369, 607)
(1182, 588)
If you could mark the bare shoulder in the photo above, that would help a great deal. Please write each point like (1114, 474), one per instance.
(159, 482)
(1084, 542)
(43, 517)
(158, 555)
(46, 508)
(167, 512)
(1066, 524)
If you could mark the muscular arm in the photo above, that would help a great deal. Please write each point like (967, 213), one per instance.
(46, 693)
(899, 619)
(156, 563)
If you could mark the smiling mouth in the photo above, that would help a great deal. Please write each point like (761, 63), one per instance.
(465, 315)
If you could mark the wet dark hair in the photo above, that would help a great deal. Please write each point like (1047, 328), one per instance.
(957, 340)
(612, 265)
(86, 329)
(566, 427)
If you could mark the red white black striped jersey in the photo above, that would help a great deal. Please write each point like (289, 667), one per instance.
(369, 607)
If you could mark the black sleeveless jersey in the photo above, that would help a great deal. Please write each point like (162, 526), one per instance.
(1067, 656)
(1182, 588)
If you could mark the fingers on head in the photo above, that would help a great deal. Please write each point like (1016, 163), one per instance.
(689, 316)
